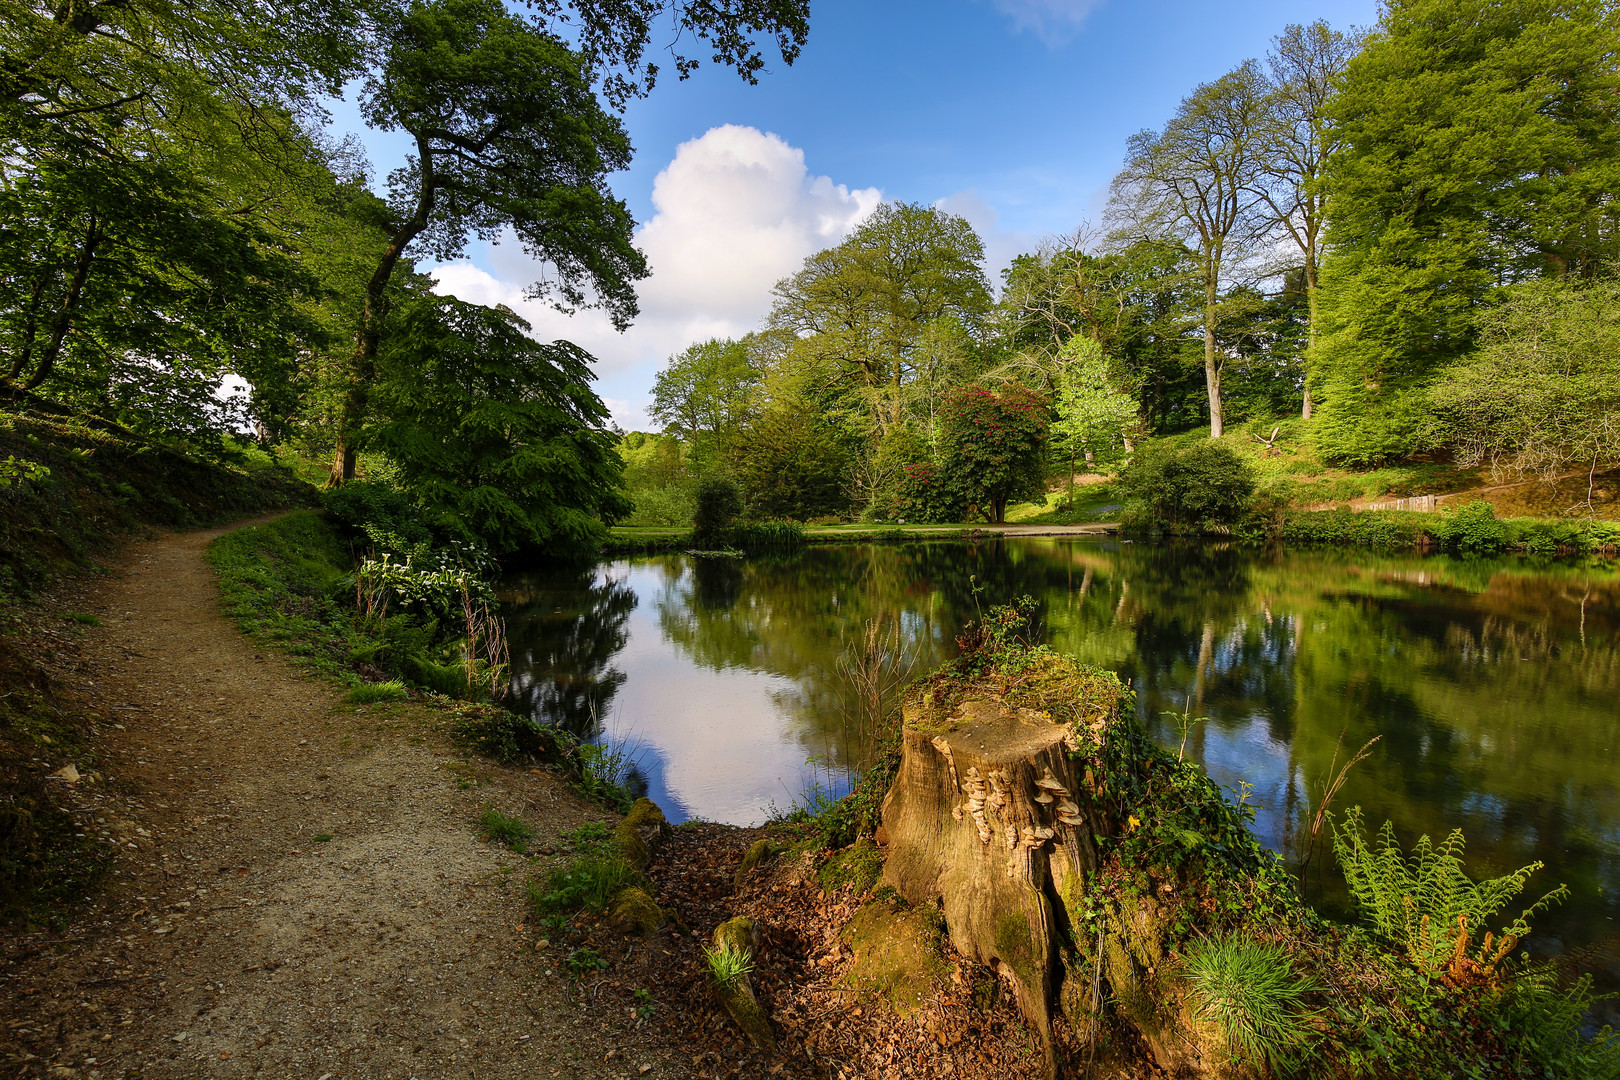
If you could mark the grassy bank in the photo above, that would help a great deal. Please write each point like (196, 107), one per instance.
(71, 486)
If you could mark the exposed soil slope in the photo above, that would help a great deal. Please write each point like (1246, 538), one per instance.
(232, 942)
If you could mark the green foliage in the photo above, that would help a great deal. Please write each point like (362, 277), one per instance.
(514, 832)
(1542, 394)
(1546, 1023)
(1424, 902)
(992, 447)
(856, 866)
(370, 693)
(862, 320)
(672, 506)
(498, 438)
(84, 618)
(95, 481)
(707, 393)
(921, 496)
(1202, 486)
(1092, 415)
(587, 881)
(793, 464)
(718, 501)
(727, 963)
(1475, 149)
(1250, 992)
(605, 773)
(582, 961)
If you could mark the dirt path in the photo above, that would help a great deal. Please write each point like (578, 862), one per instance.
(231, 941)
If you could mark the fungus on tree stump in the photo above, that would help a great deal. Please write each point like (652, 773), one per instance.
(984, 815)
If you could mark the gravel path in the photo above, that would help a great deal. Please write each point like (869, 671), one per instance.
(231, 941)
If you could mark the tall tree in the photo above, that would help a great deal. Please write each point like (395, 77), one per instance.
(706, 394)
(1305, 65)
(1194, 183)
(859, 312)
(508, 134)
(1479, 146)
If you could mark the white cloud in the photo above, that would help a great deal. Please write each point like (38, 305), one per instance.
(1053, 21)
(736, 210)
(1000, 246)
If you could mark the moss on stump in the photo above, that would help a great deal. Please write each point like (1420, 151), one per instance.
(858, 865)
(759, 853)
(640, 834)
(897, 952)
(635, 913)
(741, 935)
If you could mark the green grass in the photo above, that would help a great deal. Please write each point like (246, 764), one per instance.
(514, 832)
(727, 964)
(279, 582)
(84, 618)
(1249, 991)
(369, 693)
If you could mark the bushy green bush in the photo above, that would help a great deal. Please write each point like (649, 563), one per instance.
(1202, 486)
(717, 503)
(1475, 528)
(921, 497)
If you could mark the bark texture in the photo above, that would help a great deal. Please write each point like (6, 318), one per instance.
(995, 812)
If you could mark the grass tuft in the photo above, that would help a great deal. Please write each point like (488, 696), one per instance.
(514, 832)
(370, 693)
(727, 964)
(1249, 991)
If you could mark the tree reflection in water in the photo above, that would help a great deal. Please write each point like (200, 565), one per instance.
(565, 626)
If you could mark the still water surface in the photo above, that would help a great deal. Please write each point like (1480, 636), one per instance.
(1493, 685)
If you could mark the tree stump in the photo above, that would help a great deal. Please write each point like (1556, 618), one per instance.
(983, 815)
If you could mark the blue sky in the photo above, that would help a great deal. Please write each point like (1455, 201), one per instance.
(1014, 113)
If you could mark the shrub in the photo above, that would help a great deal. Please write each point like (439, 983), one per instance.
(1203, 486)
(1475, 527)
(717, 501)
(922, 497)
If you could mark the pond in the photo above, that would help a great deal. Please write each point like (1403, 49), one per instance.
(1492, 686)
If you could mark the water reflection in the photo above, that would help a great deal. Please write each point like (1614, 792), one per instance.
(1492, 686)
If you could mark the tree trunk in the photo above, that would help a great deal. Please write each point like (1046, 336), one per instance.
(363, 366)
(993, 813)
(70, 306)
(1212, 376)
(963, 824)
(1310, 328)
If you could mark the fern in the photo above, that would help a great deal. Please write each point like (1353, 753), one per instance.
(1427, 904)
